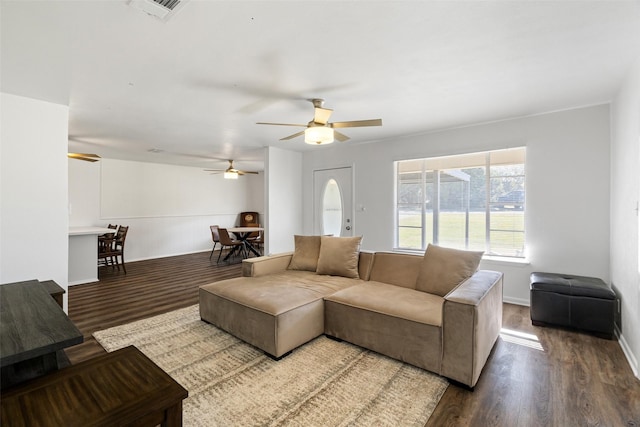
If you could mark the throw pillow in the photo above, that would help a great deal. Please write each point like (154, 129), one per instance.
(339, 256)
(443, 269)
(305, 256)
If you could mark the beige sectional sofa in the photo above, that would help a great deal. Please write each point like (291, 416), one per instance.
(396, 304)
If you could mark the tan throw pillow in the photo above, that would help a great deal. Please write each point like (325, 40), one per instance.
(305, 256)
(443, 269)
(339, 256)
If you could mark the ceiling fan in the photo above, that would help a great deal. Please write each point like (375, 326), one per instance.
(85, 157)
(230, 172)
(320, 130)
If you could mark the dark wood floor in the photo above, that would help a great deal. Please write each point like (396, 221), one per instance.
(534, 377)
(149, 288)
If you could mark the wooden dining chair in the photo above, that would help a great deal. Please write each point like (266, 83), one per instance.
(254, 234)
(106, 247)
(249, 219)
(102, 236)
(227, 242)
(215, 237)
(118, 247)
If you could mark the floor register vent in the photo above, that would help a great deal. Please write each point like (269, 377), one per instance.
(161, 9)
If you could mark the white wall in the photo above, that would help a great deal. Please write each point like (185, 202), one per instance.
(567, 185)
(34, 233)
(625, 192)
(170, 225)
(283, 199)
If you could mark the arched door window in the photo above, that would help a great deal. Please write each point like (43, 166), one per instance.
(332, 208)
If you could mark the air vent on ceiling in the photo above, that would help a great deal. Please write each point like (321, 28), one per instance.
(161, 9)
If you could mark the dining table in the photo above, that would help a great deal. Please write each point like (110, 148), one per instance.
(243, 234)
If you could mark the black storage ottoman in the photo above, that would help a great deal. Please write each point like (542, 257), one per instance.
(584, 303)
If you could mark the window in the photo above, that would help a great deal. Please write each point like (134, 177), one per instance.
(332, 209)
(472, 201)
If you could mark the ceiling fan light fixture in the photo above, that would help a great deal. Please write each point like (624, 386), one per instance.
(318, 135)
(231, 175)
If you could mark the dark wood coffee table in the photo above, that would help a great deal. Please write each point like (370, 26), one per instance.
(122, 388)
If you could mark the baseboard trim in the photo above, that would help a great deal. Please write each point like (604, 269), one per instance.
(631, 358)
(83, 282)
(516, 301)
(168, 255)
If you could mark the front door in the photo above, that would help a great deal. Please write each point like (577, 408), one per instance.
(333, 201)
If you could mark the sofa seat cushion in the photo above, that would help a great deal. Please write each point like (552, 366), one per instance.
(392, 301)
(277, 293)
(398, 322)
(275, 313)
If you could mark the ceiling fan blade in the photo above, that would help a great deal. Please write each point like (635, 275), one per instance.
(292, 136)
(322, 115)
(357, 123)
(214, 170)
(340, 136)
(83, 156)
(246, 172)
(281, 124)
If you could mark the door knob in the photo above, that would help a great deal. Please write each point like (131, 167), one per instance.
(348, 227)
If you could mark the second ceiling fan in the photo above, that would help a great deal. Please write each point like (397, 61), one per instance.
(231, 172)
(320, 130)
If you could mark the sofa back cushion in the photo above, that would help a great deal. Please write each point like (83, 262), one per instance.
(307, 251)
(339, 256)
(443, 269)
(365, 262)
(396, 269)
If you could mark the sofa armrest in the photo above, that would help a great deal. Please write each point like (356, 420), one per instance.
(471, 323)
(261, 266)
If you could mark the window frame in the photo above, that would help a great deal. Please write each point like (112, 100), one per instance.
(465, 161)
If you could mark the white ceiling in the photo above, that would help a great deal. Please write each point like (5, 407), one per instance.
(195, 86)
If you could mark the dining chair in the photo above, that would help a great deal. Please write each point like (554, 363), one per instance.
(118, 247)
(215, 236)
(257, 239)
(102, 236)
(111, 227)
(249, 219)
(106, 247)
(254, 234)
(231, 244)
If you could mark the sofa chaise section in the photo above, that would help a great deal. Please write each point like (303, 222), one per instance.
(275, 312)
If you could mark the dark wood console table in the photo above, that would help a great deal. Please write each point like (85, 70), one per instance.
(56, 291)
(33, 332)
(122, 388)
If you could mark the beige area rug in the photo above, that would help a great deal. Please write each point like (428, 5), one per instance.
(322, 383)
